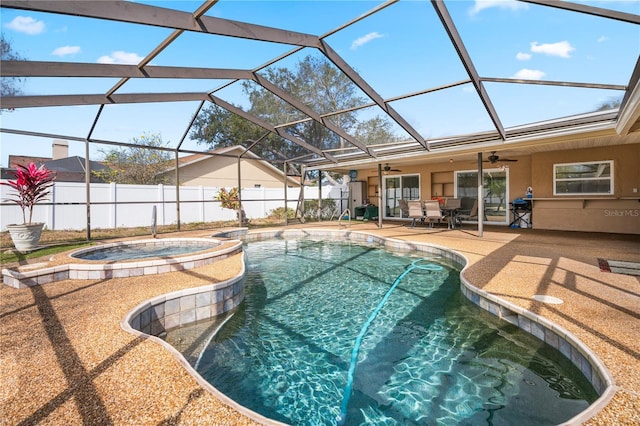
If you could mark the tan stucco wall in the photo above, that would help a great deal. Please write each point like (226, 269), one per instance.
(618, 213)
(519, 175)
(616, 216)
(626, 163)
(223, 172)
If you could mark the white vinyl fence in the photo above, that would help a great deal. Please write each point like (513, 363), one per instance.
(123, 206)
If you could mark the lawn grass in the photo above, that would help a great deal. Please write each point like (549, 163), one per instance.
(53, 242)
(12, 256)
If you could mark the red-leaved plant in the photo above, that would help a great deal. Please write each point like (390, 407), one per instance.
(31, 185)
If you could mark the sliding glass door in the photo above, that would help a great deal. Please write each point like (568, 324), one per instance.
(496, 192)
(398, 188)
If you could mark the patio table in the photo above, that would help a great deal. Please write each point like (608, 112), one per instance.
(450, 214)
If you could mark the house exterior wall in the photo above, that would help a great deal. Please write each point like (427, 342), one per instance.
(223, 172)
(626, 160)
(616, 213)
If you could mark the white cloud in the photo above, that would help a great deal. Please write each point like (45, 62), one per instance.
(527, 74)
(602, 39)
(561, 48)
(365, 39)
(481, 5)
(521, 56)
(120, 57)
(66, 50)
(26, 24)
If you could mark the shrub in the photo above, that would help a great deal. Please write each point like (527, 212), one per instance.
(327, 209)
(231, 200)
(279, 213)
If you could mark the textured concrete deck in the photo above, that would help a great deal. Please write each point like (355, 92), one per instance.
(65, 360)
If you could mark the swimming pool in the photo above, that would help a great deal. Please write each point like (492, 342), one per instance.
(428, 357)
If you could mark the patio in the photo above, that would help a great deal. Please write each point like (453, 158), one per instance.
(65, 358)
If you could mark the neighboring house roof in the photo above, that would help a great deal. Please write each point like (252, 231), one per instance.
(73, 164)
(69, 169)
(231, 151)
(25, 160)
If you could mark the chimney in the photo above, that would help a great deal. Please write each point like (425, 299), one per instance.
(60, 149)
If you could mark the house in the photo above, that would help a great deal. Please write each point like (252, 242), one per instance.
(67, 169)
(219, 168)
(576, 186)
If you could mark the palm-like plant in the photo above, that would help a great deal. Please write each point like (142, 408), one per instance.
(31, 185)
(231, 200)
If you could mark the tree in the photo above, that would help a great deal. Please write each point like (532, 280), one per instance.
(142, 165)
(9, 86)
(314, 82)
(610, 104)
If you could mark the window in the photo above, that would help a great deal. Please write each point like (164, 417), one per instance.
(592, 178)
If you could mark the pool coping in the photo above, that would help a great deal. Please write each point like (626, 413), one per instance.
(81, 269)
(153, 311)
(549, 332)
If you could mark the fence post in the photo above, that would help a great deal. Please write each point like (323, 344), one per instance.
(201, 188)
(319, 195)
(113, 208)
(51, 209)
(160, 198)
(286, 216)
(264, 201)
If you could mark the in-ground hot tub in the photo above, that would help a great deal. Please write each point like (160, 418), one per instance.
(144, 249)
(128, 259)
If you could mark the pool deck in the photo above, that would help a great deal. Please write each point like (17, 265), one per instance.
(65, 360)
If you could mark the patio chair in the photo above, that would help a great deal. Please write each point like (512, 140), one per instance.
(404, 208)
(453, 203)
(432, 212)
(470, 214)
(415, 211)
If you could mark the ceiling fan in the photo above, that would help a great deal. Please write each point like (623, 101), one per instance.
(493, 158)
(387, 168)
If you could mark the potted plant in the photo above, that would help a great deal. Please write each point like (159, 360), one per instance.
(230, 200)
(31, 185)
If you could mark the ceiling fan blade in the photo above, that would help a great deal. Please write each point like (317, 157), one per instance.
(507, 159)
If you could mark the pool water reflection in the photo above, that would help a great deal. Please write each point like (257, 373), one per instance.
(429, 357)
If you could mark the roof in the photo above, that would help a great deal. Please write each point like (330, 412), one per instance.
(230, 151)
(451, 77)
(25, 160)
(69, 169)
(74, 164)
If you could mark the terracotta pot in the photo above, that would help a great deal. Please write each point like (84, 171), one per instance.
(25, 237)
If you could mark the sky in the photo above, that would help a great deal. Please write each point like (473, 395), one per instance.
(399, 50)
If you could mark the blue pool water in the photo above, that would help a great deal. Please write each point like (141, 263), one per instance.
(428, 356)
(145, 250)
